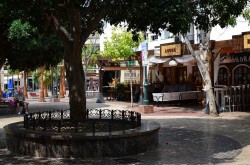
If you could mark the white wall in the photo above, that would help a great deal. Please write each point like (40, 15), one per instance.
(219, 33)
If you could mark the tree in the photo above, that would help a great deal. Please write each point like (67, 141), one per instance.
(246, 13)
(28, 43)
(62, 90)
(41, 94)
(4, 24)
(120, 47)
(73, 21)
(89, 54)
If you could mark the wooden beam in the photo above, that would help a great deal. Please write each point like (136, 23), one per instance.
(112, 68)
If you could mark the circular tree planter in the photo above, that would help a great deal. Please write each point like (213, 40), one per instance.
(81, 144)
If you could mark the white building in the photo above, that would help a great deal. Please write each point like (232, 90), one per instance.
(195, 36)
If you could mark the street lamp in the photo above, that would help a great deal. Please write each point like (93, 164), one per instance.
(172, 63)
(144, 50)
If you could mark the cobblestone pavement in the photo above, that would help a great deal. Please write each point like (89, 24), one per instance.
(184, 138)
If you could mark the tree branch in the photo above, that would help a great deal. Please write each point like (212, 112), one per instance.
(57, 27)
(100, 14)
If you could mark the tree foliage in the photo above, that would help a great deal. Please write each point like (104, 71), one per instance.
(246, 13)
(175, 16)
(30, 49)
(121, 45)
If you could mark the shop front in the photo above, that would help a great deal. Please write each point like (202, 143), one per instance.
(232, 73)
(176, 73)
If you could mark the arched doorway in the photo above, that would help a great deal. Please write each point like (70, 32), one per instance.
(223, 76)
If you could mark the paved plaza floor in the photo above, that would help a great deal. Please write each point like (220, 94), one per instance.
(187, 136)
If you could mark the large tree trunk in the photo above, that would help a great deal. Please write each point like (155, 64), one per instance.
(74, 68)
(203, 66)
(75, 77)
(46, 94)
(73, 40)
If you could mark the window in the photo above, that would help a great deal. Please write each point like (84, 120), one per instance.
(135, 76)
(223, 76)
(181, 74)
(167, 75)
(248, 41)
(197, 79)
(241, 75)
(154, 37)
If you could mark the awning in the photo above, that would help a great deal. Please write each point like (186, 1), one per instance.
(182, 59)
(157, 60)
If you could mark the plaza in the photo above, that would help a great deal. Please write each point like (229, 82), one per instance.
(186, 136)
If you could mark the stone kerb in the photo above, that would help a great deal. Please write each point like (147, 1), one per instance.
(81, 145)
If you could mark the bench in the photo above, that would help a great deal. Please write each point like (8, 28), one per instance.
(4, 103)
(177, 96)
(33, 95)
(7, 107)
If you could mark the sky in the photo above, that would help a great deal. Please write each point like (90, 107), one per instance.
(219, 34)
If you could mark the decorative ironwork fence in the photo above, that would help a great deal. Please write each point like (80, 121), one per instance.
(97, 120)
(233, 98)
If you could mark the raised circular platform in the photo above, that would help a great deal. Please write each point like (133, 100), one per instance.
(81, 145)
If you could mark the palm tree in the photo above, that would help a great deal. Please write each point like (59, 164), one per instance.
(41, 95)
(62, 83)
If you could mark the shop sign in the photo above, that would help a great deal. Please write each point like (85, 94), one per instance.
(170, 50)
(241, 58)
(246, 41)
(131, 63)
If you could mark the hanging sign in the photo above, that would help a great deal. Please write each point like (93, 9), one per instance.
(170, 50)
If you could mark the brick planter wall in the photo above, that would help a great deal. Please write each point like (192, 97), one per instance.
(81, 145)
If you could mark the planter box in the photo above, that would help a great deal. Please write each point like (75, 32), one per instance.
(146, 108)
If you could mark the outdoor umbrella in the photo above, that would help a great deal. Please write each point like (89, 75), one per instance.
(10, 84)
(10, 87)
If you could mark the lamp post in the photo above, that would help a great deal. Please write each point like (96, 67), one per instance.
(144, 48)
(54, 82)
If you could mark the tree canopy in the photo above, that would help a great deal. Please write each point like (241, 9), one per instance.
(30, 49)
(178, 16)
(120, 45)
(73, 21)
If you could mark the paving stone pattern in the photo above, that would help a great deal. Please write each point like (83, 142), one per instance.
(182, 140)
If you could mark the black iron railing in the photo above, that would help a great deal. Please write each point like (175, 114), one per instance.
(233, 98)
(97, 120)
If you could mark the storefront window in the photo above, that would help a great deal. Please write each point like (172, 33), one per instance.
(168, 76)
(223, 76)
(242, 75)
(182, 74)
(197, 79)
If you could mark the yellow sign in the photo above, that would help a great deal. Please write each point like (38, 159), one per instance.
(170, 50)
(246, 41)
